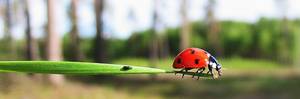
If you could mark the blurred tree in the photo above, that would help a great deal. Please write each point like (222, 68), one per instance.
(163, 45)
(199, 31)
(99, 42)
(284, 42)
(8, 46)
(142, 49)
(185, 29)
(295, 33)
(53, 42)
(154, 42)
(74, 47)
(174, 40)
(32, 52)
(236, 38)
(8, 40)
(213, 29)
(265, 38)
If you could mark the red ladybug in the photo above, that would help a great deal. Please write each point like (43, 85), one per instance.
(195, 58)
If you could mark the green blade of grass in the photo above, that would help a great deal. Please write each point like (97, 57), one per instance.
(82, 68)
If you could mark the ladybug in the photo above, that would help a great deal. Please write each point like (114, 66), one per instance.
(195, 58)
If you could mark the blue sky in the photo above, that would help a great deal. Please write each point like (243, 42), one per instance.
(118, 23)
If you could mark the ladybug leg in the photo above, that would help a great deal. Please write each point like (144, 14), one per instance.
(179, 71)
(202, 70)
(210, 71)
(183, 73)
(196, 72)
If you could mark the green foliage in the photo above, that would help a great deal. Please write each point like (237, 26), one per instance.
(296, 48)
(198, 32)
(116, 48)
(138, 44)
(262, 39)
(246, 64)
(266, 34)
(236, 37)
(173, 37)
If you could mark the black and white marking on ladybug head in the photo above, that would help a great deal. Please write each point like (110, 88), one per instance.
(213, 63)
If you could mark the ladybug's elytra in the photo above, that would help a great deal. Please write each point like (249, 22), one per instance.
(195, 58)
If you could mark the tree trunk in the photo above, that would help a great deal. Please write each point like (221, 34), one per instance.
(213, 29)
(297, 56)
(53, 46)
(99, 42)
(285, 42)
(32, 52)
(74, 35)
(163, 46)
(154, 42)
(11, 50)
(185, 29)
(153, 54)
(8, 79)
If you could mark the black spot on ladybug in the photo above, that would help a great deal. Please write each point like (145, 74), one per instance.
(125, 68)
(178, 61)
(193, 52)
(196, 61)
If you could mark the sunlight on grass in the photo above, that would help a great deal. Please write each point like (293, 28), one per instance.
(238, 63)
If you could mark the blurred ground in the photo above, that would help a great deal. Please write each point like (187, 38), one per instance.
(259, 80)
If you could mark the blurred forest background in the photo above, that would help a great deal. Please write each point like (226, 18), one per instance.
(260, 57)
